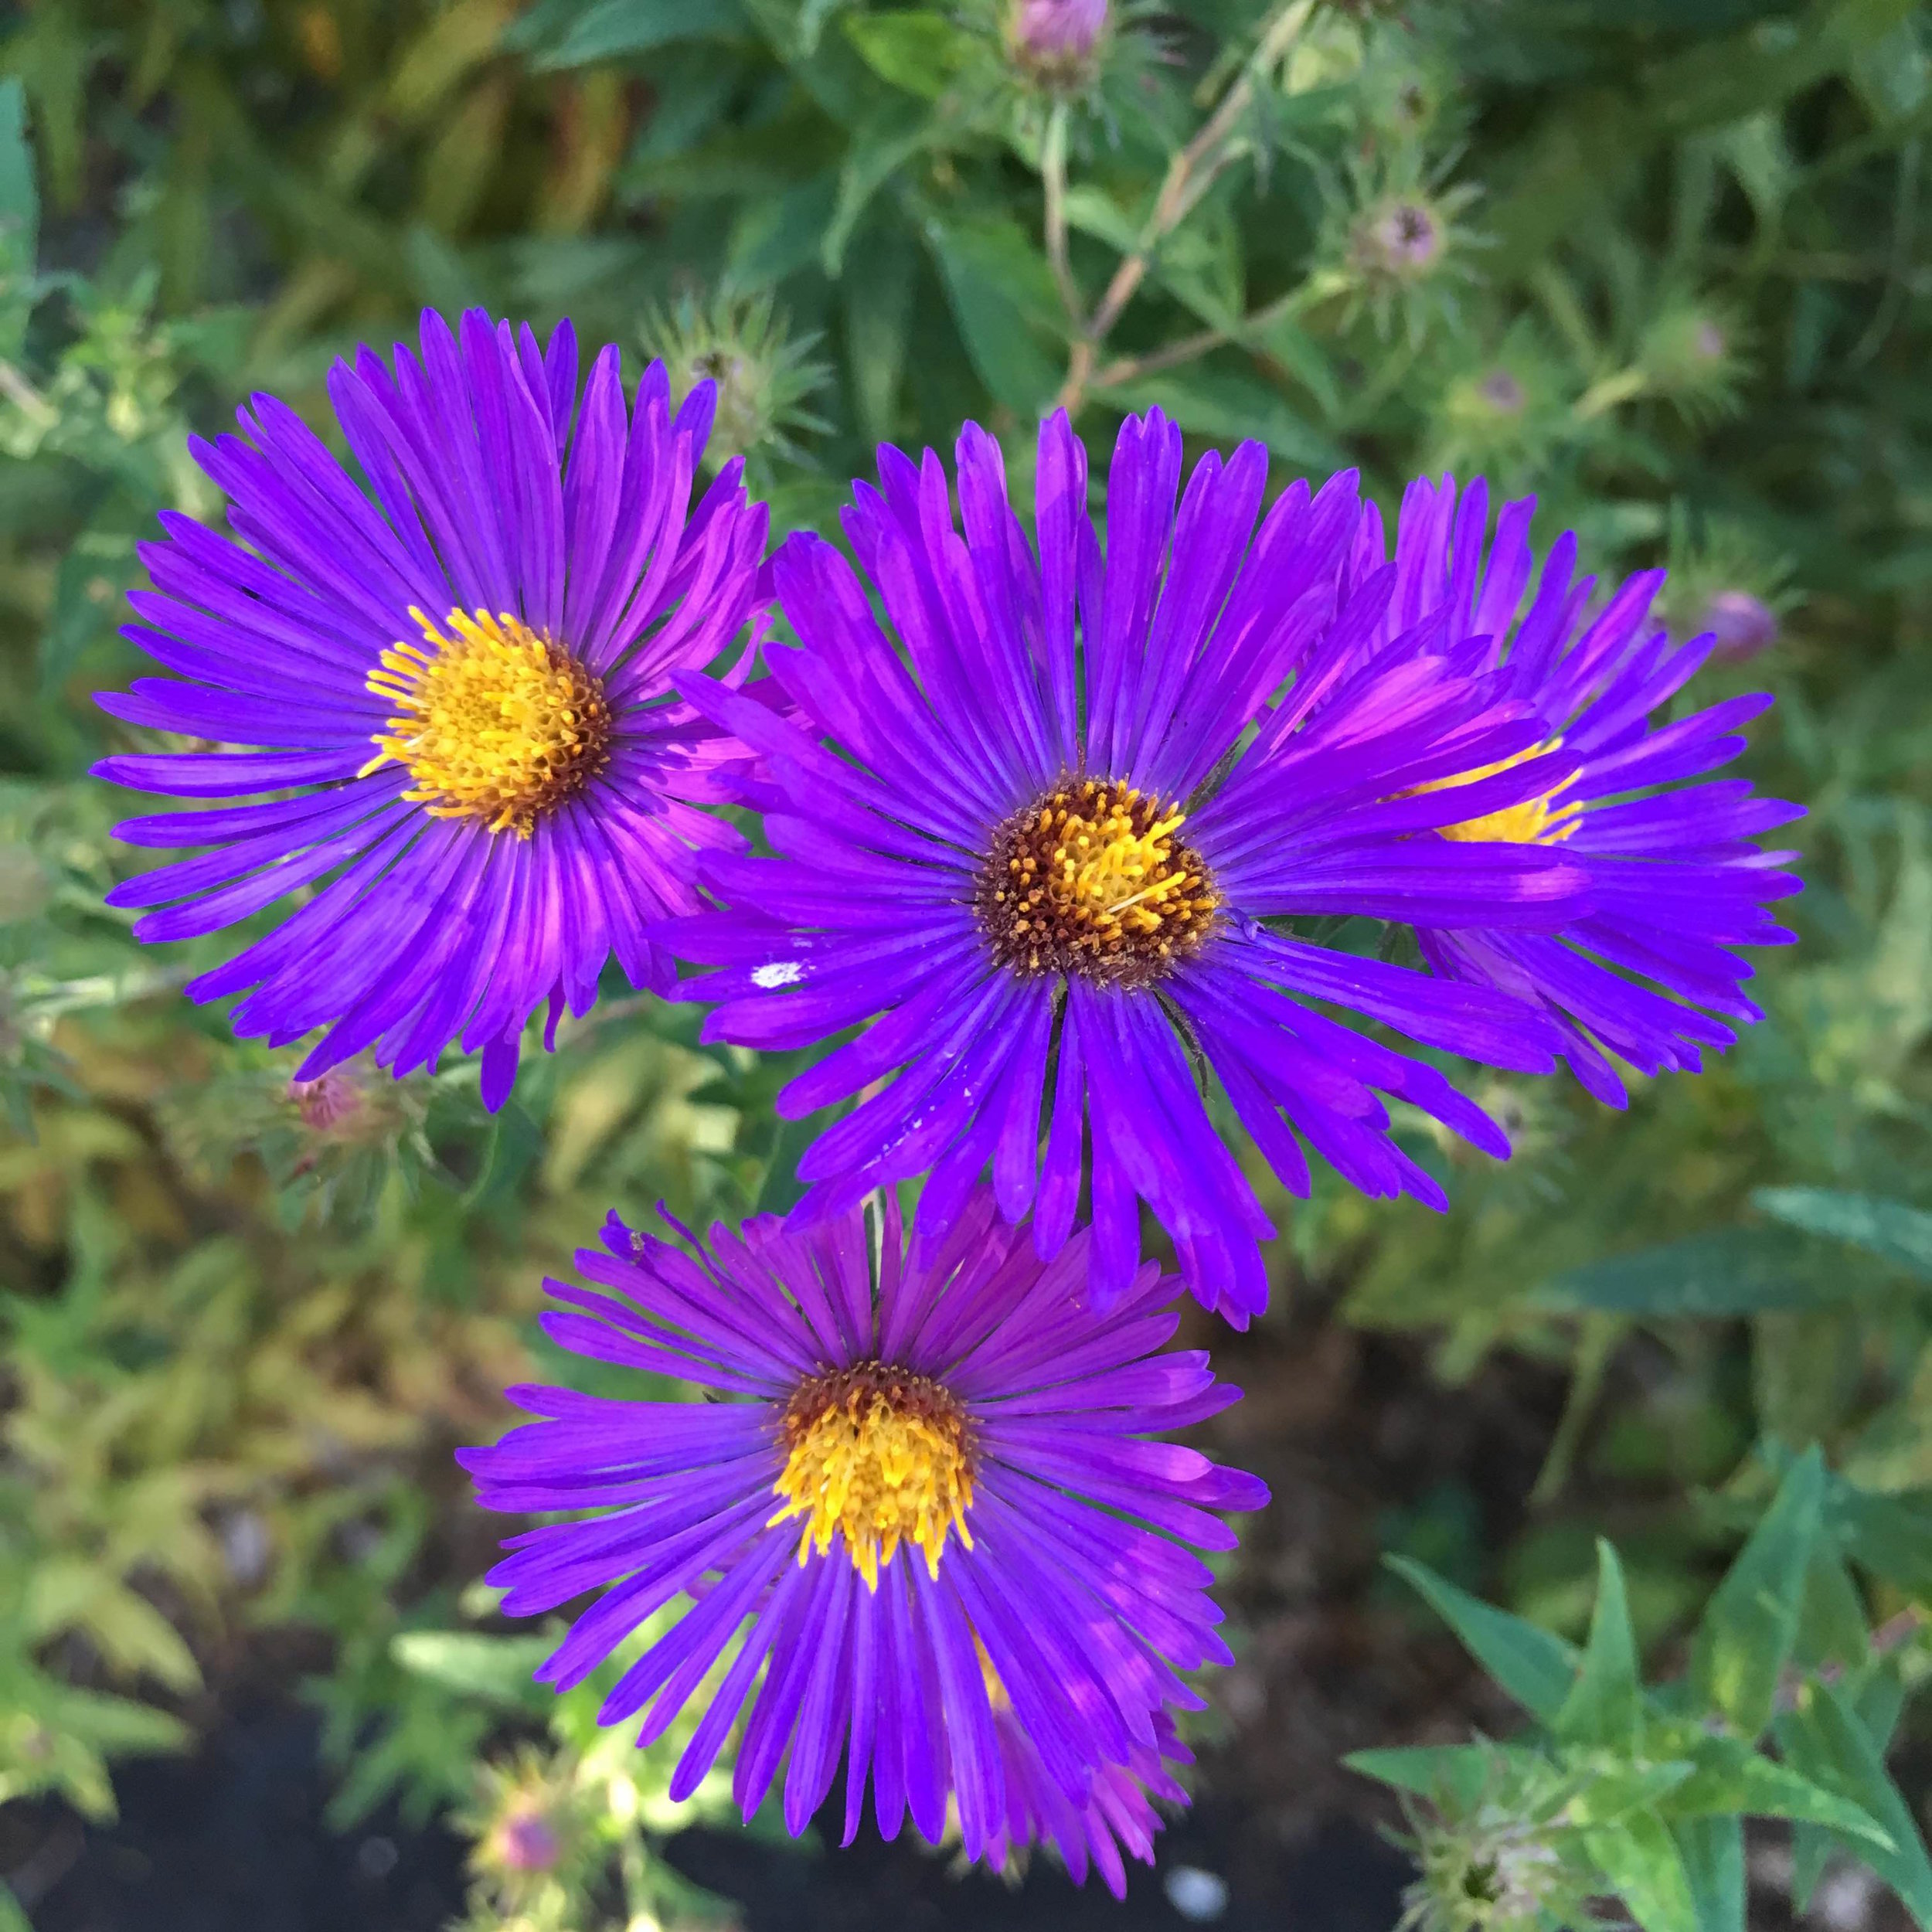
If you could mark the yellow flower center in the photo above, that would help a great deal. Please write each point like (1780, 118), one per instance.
(1093, 881)
(494, 722)
(879, 1456)
(1534, 821)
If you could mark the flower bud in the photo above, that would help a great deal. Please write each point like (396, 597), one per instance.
(526, 1841)
(1743, 625)
(1401, 240)
(765, 377)
(1694, 358)
(1054, 44)
(329, 1105)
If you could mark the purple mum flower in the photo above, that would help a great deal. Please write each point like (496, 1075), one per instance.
(1676, 879)
(457, 678)
(926, 1509)
(1050, 856)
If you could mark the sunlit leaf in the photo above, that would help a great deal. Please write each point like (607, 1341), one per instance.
(1749, 1627)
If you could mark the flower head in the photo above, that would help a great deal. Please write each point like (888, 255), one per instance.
(766, 378)
(529, 1826)
(1507, 407)
(1396, 244)
(526, 1841)
(1677, 882)
(926, 1507)
(1400, 240)
(1504, 1855)
(458, 694)
(1054, 856)
(1693, 354)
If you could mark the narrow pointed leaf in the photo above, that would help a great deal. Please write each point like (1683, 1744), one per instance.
(1730, 1777)
(1712, 1849)
(1442, 1771)
(1876, 1703)
(1533, 1665)
(1750, 1623)
(1825, 1740)
(1603, 1705)
(1893, 1232)
(1641, 1864)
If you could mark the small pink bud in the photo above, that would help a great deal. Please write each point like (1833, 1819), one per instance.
(327, 1103)
(1399, 241)
(1743, 624)
(1053, 41)
(1502, 392)
(527, 1842)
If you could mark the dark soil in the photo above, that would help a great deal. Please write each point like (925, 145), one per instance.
(233, 1841)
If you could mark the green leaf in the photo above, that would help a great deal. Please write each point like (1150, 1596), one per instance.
(615, 27)
(1731, 1777)
(1876, 1704)
(1610, 1788)
(919, 52)
(877, 288)
(1825, 1741)
(1606, 1702)
(1893, 1232)
(1447, 1773)
(1733, 1271)
(1712, 1849)
(1093, 212)
(775, 236)
(1533, 1665)
(71, 1592)
(1213, 400)
(1889, 1535)
(473, 1665)
(12, 1918)
(1002, 297)
(1641, 1864)
(19, 200)
(1745, 1637)
(115, 1725)
(878, 151)
(1832, 1626)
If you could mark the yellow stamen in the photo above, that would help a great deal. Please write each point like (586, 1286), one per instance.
(1092, 880)
(493, 722)
(1534, 822)
(881, 1457)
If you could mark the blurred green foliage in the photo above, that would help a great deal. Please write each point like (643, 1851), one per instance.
(1638, 1793)
(1663, 262)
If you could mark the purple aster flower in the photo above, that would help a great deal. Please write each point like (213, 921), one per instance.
(1118, 1816)
(925, 1508)
(455, 676)
(1051, 855)
(1676, 879)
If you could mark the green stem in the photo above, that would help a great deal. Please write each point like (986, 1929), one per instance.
(1189, 176)
(1053, 181)
(1600, 398)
